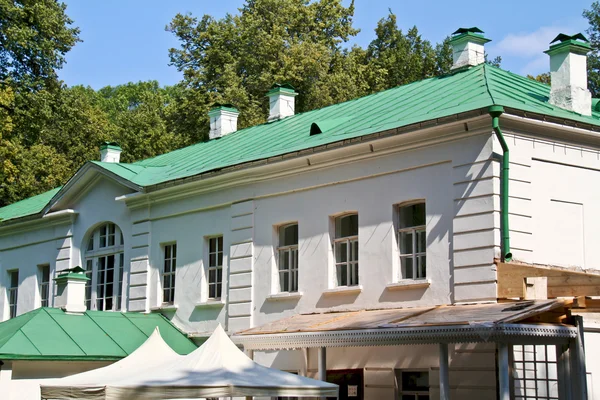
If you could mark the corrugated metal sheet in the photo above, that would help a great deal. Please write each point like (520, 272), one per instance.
(51, 334)
(466, 90)
(408, 317)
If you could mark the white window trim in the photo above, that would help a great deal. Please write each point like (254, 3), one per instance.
(217, 299)
(41, 285)
(94, 256)
(293, 262)
(9, 290)
(419, 281)
(350, 240)
(164, 305)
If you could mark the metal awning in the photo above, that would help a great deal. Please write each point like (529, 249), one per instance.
(540, 322)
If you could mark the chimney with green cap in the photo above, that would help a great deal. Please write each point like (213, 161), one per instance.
(223, 120)
(467, 47)
(568, 73)
(110, 152)
(281, 101)
(70, 290)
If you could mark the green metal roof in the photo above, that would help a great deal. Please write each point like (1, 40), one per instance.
(464, 90)
(52, 334)
(32, 205)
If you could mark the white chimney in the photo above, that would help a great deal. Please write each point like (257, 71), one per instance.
(223, 120)
(568, 73)
(110, 152)
(467, 47)
(70, 290)
(281, 101)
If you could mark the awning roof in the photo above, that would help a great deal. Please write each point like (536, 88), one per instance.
(450, 323)
(52, 334)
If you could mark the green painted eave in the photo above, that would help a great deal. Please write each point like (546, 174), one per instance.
(52, 334)
(465, 90)
(72, 276)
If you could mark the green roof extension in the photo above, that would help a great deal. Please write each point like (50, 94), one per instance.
(52, 334)
(464, 90)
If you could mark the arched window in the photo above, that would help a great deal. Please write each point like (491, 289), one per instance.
(104, 262)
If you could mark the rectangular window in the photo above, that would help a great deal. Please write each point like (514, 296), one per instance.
(215, 267)
(13, 292)
(288, 258)
(412, 385)
(44, 284)
(412, 241)
(346, 250)
(168, 275)
(535, 372)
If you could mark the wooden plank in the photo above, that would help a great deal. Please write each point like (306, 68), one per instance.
(561, 281)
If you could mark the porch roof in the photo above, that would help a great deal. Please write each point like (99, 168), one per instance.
(526, 321)
(52, 334)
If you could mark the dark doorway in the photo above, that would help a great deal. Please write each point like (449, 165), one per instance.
(350, 382)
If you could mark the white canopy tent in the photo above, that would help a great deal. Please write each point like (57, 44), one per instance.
(216, 369)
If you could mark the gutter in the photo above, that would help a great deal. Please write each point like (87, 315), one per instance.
(495, 112)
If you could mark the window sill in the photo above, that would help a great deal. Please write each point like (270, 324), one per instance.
(165, 307)
(343, 290)
(284, 296)
(210, 304)
(408, 284)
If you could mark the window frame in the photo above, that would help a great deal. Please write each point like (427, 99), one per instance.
(289, 251)
(218, 267)
(415, 256)
(10, 290)
(44, 286)
(93, 253)
(172, 274)
(352, 260)
(416, 393)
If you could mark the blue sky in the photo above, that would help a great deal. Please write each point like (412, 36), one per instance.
(126, 41)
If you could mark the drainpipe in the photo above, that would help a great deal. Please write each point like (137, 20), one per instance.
(495, 112)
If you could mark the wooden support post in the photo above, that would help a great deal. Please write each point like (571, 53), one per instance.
(577, 356)
(444, 373)
(564, 372)
(322, 359)
(503, 372)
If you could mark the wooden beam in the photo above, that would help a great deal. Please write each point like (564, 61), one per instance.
(561, 282)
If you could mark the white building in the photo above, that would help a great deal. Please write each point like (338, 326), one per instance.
(391, 201)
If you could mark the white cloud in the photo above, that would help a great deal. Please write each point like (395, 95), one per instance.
(524, 52)
(531, 44)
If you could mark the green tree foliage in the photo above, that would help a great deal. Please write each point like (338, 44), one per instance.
(35, 35)
(593, 61)
(49, 130)
(236, 59)
(542, 78)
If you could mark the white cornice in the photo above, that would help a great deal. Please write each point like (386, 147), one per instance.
(51, 219)
(310, 162)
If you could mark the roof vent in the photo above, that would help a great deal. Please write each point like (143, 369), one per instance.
(467, 47)
(70, 290)
(568, 73)
(223, 120)
(110, 152)
(281, 101)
